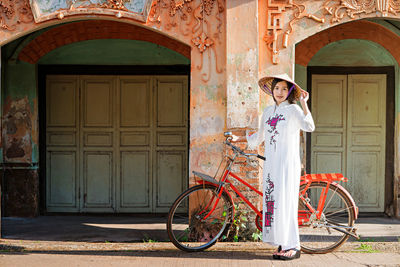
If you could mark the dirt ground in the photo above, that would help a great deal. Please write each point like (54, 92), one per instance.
(23, 253)
(133, 241)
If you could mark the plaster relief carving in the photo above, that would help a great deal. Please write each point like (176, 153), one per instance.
(339, 8)
(276, 23)
(50, 9)
(278, 30)
(13, 13)
(199, 20)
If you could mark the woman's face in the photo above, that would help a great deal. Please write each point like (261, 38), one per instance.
(280, 92)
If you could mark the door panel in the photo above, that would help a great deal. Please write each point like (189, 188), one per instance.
(62, 180)
(135, 108)
(170, 178)
(61, 113)
(330, 94)
(170, 103)
(326, 162)
(98, 184)
(97, 102)
(365, 176)
(356, 138)
(134, 186)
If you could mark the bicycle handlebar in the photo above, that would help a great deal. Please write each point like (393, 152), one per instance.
(235, 148)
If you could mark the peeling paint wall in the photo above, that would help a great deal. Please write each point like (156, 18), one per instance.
(20, 113)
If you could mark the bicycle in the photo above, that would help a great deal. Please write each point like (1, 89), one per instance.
(204, 213)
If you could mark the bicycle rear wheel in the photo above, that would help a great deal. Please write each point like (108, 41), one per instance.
(328, 232)
(198, 218)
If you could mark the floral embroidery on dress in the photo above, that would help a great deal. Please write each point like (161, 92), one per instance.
(273, 122)
(269, 204)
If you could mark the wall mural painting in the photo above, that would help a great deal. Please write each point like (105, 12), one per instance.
(278, 31)
(14, 12)
(49, 9)
(196, 20)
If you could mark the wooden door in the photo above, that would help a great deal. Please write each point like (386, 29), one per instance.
(62, 143)
(116, 143)
(98, 147)
(170, 140)
(366, 140)
(350, 116)
(135, 133)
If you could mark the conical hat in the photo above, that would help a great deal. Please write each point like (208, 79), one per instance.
(265, 84)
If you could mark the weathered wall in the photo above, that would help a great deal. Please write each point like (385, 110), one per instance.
(193, 23)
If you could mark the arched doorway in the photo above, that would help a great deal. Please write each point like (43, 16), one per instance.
(352, 83)
(113, 107)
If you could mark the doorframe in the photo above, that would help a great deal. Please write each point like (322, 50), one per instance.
(390, 197)
(44, 70)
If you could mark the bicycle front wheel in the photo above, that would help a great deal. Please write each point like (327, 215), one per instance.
(198, 218)
(328, 232)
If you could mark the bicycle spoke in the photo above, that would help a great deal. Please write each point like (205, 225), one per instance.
(205, 220)
(327, 204)
(329, 213)
(329, 231)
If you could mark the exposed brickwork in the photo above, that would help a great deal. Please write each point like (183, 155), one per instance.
(249, 173)
(92, 30)
(364, 30)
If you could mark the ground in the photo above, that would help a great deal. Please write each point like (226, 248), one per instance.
(127, 241)
(52, 253)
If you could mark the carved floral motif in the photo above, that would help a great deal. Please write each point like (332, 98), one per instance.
(277, 33)
(13, 13)
(194, 19)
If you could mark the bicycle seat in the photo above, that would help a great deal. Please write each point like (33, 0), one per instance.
(326, 177)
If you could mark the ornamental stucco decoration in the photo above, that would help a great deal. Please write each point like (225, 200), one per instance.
(49, 9)
(13, 13)
(199, 20)
(278, 31)
(339, 8)
(276, 23)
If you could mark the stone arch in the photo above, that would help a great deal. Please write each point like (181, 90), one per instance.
(92, 30)
(365, 30)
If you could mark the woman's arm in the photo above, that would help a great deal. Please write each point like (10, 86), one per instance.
(304, 117)
(255, 139)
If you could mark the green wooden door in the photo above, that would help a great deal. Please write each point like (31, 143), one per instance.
(350, 118)
(116, 143)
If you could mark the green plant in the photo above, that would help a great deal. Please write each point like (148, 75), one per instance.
(239, 227)
(365, 248)
(257, 235)
(147, 239)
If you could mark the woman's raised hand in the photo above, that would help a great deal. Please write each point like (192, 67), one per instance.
(304, 96)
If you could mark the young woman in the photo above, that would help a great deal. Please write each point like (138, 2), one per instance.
(279, 128)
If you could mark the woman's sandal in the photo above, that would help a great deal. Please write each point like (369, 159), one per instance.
(294, 256)
(276, 256)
